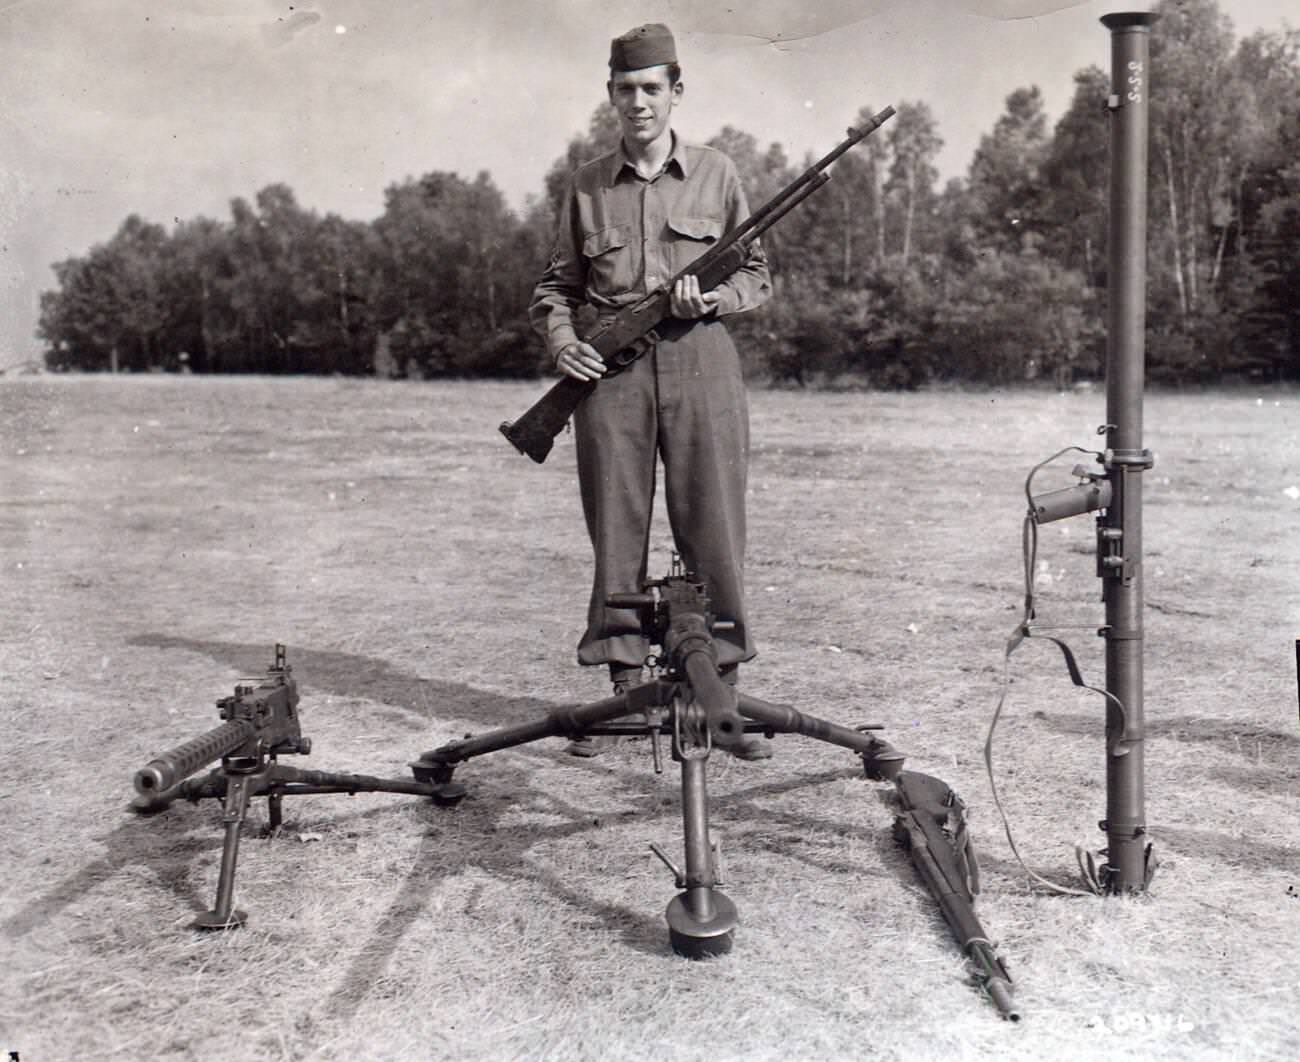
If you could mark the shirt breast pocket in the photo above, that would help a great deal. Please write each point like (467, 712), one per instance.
(609, 260)
(690, 237)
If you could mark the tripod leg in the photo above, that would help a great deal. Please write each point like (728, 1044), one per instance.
(701, 920)
(437, 765)
(880, 760)
(223, 916)
(292, 781)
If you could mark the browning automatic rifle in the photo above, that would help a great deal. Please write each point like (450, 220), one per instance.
(631, 332)
(931, 824)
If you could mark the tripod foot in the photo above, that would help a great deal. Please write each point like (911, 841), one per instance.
(882, 762)
(149, 805)
(216, 920)
(693, 938)
(432, 770)
(448, 795)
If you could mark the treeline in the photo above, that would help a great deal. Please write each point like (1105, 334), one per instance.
(434, 286)
(882, 277)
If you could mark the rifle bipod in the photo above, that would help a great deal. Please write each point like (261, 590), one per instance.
(700, 918)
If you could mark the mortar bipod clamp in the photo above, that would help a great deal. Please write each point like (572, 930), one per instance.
(1139, 459)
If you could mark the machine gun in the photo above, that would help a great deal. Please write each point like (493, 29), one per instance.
(261, 722)
(931, 825)
(631, 332)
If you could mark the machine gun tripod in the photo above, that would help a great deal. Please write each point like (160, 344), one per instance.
(261, 723)
(688, 701)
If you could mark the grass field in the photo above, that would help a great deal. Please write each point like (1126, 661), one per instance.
(159, 535)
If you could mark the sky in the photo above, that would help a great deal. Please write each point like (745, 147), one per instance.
(172, 108)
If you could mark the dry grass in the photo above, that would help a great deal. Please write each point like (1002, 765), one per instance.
(157, 536)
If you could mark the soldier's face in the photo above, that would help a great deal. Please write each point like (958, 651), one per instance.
(644, 100)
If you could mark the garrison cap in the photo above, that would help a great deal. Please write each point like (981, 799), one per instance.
(648, 45)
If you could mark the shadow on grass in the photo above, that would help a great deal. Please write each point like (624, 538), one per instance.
(135, 842)
(143, 840)
(364, 677)
(1264, 777)
(500, 851)
(1241, 852)
(804, 838)
(1238, 736)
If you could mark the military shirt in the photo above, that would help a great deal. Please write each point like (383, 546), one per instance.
(621, 236)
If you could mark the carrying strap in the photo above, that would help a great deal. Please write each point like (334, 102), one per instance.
(1026, 629)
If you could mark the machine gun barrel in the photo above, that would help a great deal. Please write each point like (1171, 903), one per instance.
(726, 725)
(175, 765)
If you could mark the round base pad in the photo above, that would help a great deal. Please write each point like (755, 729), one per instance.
(212, 920)
(449, 794)
(694, 939)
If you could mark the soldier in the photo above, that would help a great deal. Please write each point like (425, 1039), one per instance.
(631, 220)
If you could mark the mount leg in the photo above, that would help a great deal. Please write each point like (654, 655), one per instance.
(701, 920)
(880, 760)
(437, 766)
(223, 916)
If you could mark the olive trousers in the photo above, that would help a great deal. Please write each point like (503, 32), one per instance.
(684, 403)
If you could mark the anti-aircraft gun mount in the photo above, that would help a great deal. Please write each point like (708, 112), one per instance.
(688, 701)
(261, 724)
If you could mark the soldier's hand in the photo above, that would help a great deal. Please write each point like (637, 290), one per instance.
(689, 302)
(580, 361)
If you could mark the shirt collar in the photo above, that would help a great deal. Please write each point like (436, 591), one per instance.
(676, 160)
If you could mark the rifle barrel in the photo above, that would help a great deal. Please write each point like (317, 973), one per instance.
(799, 186)
(992, 976)
(855, 137)
(771, 219)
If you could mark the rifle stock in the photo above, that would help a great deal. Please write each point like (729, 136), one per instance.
(534, 433)
(630, 332)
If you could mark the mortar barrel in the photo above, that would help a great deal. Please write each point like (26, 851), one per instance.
(1129, 106)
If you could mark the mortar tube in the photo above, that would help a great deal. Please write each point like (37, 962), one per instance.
(1125, 823)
